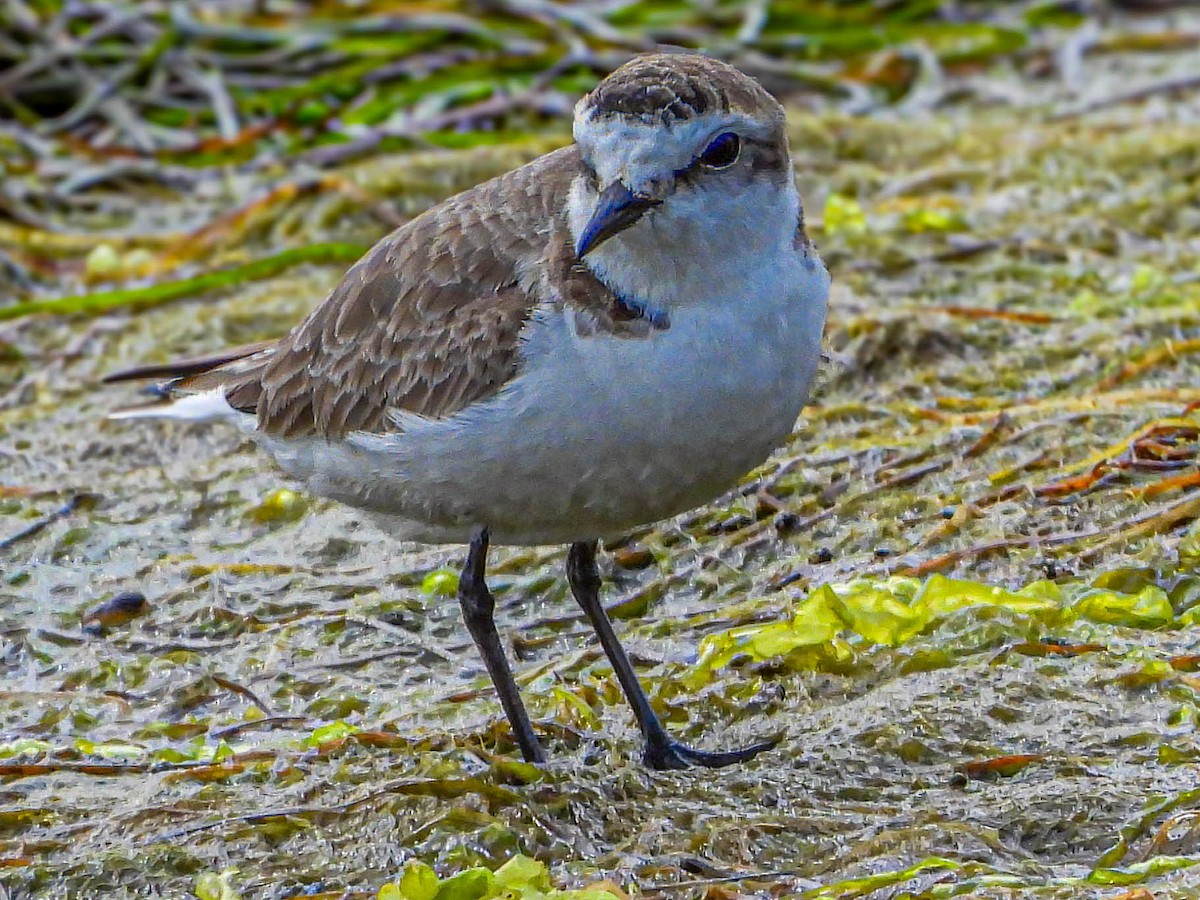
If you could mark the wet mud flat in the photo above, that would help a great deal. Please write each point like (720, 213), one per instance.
(964, 591)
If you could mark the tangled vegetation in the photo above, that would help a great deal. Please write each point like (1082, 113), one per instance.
(965, 592)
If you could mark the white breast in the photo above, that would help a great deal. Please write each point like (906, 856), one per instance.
(597, 434)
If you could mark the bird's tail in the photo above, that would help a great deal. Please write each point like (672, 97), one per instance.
(223, 386)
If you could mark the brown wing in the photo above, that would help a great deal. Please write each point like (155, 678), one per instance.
(430, 319)
(184, 368)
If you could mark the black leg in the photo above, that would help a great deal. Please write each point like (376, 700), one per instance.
(478, 607)
(662, 752)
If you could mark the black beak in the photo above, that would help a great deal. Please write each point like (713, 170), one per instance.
(616, 209)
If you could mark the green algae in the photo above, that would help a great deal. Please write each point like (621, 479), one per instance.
(893, 611)
(520, 878)
(976, 549)
(165, 292)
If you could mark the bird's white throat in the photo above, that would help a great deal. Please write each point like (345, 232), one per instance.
(702, 245)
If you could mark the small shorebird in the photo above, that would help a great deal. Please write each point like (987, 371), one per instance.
(607, 336)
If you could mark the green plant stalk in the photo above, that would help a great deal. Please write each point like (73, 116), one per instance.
(158, 294)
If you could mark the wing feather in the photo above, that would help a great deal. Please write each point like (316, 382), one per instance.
(430, 319)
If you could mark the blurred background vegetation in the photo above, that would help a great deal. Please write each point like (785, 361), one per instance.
(106, 107)
(201, 84)
(161, 94)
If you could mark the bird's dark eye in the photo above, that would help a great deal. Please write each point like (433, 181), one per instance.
(722, 152)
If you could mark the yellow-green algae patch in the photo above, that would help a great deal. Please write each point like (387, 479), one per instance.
(835, 619)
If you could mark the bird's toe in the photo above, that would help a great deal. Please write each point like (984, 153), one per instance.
(671, 754)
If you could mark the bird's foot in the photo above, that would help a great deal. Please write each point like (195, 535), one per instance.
(669, 754)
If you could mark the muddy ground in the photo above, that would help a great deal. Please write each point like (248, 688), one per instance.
(1007, 401)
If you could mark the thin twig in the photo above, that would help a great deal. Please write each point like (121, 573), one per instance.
(245, 692)
(408, 787)
(1168, 86)
(40, 525)
(269, 722)
(1147, 523)
(803, 884)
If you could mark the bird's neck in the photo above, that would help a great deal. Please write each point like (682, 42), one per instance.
(713, 253)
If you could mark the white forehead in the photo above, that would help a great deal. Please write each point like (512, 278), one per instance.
(634, 150)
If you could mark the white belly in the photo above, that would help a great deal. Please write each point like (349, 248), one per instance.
(596, 435)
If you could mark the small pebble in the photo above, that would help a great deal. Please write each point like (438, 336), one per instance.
(117, 611)
(730, 525)
(102, 262)
(279, 507)
(441, 583)
(632, 557)
(787, 522)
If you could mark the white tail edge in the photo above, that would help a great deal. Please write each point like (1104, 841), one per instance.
(209, 406)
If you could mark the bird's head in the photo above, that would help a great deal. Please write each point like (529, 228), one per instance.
(682, 155)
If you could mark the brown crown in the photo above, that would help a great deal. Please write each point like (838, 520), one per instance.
(671, 87)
